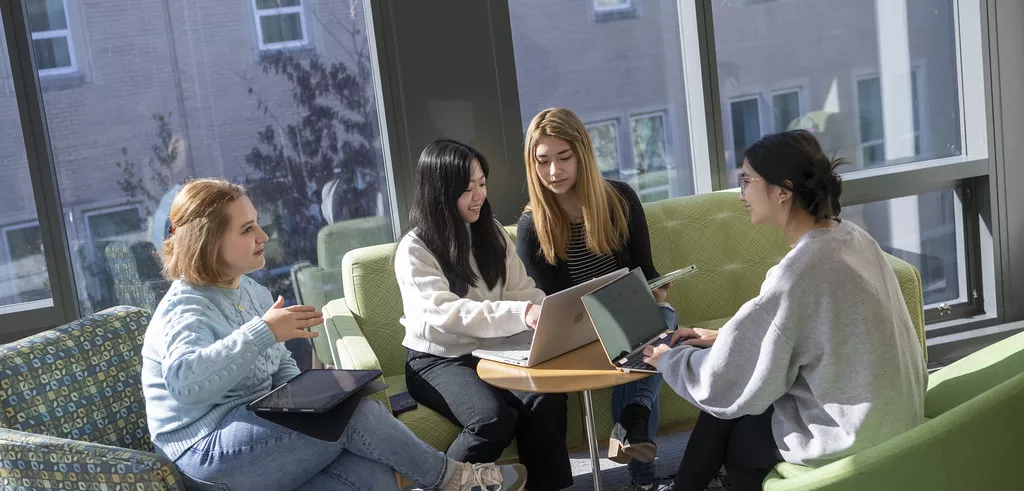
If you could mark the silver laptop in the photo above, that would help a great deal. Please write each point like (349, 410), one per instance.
(562, 327)
(627, 319)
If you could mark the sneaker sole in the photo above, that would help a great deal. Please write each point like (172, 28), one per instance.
(622, 454)
(520, 483)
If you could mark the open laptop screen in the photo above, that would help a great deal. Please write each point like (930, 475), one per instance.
(625, 314)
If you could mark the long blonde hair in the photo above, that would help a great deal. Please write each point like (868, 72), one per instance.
(605, 214)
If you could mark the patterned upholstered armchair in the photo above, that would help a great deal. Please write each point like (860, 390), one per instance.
(73, 412)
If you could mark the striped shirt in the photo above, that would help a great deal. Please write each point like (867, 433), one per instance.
(583, 264)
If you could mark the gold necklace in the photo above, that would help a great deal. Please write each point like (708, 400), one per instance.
(239, 302)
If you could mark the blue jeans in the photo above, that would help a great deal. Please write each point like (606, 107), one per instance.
(645, 392)
(247, 452)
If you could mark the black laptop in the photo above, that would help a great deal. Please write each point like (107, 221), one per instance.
(627, 318)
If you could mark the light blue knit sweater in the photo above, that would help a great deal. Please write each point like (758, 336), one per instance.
(202, 358)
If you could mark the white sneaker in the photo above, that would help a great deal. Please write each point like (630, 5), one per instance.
(487, 477)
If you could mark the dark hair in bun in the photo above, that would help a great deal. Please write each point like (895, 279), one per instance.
(794, 161)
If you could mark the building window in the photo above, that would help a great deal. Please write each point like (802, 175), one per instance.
(872, 123)
(604, 136)
(612, 10)
(280, 24)
(612, 5)
(121, 223)
(746, 126)
(51, 37)
(650, 149)
(872, 128)
(26, 279)
(785, 109)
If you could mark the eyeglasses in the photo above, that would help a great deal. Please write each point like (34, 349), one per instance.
(745, 181)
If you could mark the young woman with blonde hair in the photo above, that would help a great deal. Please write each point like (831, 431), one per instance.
(579, 226)
(216, 343)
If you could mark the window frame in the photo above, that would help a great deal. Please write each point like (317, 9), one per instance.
(666, 143)
(599, 10)
(619, 171)
(730, 134)
(4, 230)
(921, 134)
(87, 215)
(798, 90)
(259, 13)
(66, 34)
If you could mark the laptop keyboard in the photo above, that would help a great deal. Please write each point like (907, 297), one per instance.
(637, 361)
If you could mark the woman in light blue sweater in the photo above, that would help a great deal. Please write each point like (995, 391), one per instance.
(824, 362)
(216, 343)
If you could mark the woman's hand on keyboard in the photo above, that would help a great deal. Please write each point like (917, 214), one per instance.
(694, 336)
(653, 353)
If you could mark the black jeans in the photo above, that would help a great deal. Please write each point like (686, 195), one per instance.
(490, 417)
(745, 446)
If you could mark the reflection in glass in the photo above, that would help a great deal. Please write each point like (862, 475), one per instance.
(621, 73)
(864, 87)
(923, 231)
(298, 128)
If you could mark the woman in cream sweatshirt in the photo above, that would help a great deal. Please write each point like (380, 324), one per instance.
(464, 287)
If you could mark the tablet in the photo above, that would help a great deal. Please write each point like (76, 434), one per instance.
(669, 278)
(314, 391)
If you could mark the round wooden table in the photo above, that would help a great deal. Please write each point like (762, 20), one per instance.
(581, 370)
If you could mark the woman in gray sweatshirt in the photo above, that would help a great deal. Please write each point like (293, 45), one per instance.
(824, 362)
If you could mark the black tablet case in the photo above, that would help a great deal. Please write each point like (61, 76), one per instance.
(327, 426)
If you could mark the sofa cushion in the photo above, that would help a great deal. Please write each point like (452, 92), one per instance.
(79, 381)
(713, 232)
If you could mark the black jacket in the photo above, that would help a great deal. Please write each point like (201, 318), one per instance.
(553, 278)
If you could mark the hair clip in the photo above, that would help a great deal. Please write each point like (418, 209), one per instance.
(171, 229)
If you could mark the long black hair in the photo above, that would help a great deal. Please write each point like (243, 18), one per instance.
(442, 175)
(794, 161)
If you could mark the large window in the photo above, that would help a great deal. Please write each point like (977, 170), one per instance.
(861, 76)
(628, 70)
(300, 130)
(51, 36)
(280, 24)
(24, 276)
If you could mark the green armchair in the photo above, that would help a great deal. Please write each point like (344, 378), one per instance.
(316, 284)
(971, 440)
(74, 415)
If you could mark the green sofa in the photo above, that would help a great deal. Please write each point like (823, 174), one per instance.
(971, 440)
(711, 231)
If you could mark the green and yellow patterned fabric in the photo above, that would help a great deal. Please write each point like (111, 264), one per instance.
(711, 231)
(74, 414)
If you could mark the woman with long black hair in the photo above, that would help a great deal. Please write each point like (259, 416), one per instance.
(464, 287)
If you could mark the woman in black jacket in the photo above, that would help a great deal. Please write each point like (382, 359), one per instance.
(579, 226)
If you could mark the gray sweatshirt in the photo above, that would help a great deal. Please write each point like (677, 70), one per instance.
(828, 342)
